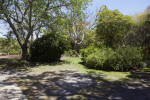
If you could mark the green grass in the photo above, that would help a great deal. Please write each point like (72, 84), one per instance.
(74, 64)
(111, 75)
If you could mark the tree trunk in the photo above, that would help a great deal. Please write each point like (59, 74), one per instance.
(24, 51)
(77, 48)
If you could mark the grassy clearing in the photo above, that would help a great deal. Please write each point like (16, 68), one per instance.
(74, 64)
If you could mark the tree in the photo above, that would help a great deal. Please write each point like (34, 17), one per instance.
(112, 26)
(141, 32)
(77, 25)
(26, 18)
(89, 39)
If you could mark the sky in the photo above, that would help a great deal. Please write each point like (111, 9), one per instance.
(127, 7)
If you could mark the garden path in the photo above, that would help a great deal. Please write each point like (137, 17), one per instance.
(9, 90)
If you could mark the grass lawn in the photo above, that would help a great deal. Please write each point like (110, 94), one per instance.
(74, 64)
(71, 80)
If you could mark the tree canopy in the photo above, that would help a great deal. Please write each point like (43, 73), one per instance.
(26, 18)
(112, 26)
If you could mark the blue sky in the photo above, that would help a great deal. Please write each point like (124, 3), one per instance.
(127, 7)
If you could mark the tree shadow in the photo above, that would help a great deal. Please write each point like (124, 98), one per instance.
(136, 89)
(22, 65)
(70, 85)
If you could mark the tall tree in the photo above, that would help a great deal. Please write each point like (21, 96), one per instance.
(143, 31)
(27, 17)
(77, 26)
(112, 26)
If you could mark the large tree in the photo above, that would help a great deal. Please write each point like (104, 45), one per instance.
(26, 18)
(77, 25)
(140, 35)
(112, 26)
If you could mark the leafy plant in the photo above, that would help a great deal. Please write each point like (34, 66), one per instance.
(85, 52)
(122, 58)
(48, 48)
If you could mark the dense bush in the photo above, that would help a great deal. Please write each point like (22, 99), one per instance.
(127, 58)
(123, 59)
(98, 59)
(85, 52)
(48, 48)
(71, 53)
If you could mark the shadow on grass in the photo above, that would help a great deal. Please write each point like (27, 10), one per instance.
(19, 64)
(70, 85)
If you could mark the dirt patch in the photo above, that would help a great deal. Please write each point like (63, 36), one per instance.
(63, 58)
(10, 57)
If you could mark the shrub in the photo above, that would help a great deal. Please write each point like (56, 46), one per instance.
(71, 53)
(85, 52)
(123, 59)
(98, 59)
(126, 58)
(15, 52)
(48, 48)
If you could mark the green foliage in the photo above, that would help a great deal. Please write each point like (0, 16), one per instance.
(139, 35)
(97, 60)
(9, 45)
(48, 48)
(88, 51)
(89, 39)
(15, 52)
(71, 53)
(126, 58)
(123, 59)
(35, 15)
(112, 26)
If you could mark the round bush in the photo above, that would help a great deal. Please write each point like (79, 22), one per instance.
(48, 48)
